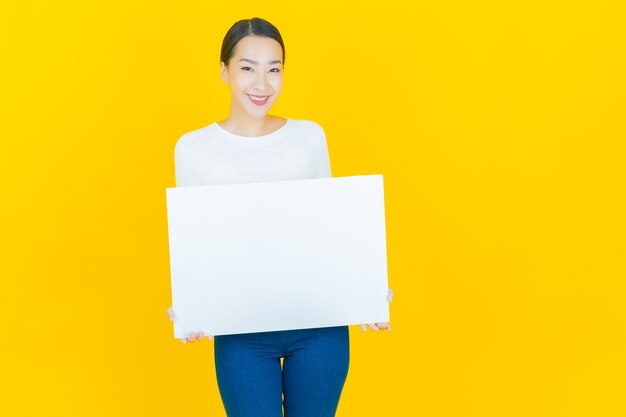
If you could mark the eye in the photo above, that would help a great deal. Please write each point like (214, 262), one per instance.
(244, 68)
(277, 70)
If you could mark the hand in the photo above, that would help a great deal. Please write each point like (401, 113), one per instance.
(192, 335)
(378, 326)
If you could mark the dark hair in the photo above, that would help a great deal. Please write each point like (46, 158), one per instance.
(246, 27)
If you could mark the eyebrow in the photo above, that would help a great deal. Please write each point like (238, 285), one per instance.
(252, 61)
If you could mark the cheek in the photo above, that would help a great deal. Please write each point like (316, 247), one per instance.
(277, 83)
(240, 82)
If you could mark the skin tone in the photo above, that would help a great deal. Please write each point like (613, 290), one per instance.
(256, 69)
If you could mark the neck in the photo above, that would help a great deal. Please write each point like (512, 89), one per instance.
(240, 122)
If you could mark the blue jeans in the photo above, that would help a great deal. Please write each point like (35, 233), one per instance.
(252, 382)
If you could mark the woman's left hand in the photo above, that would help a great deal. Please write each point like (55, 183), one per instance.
(378, 326)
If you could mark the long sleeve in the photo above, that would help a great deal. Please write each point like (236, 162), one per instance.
(325, 170)
(183, 167)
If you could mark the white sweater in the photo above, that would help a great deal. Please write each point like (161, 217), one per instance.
(213, 155)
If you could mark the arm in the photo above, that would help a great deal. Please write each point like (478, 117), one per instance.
(324, 159)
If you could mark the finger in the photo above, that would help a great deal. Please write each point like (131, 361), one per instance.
(170, 313)
(390, 295)
(183, 340)
(200, 335)
(383, 326)
(373, 326)
(363, 327)
(210, 337)
(192, 336)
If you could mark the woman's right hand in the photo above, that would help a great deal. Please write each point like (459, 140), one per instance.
(192, 335)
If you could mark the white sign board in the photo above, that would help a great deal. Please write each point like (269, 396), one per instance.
(278, 255)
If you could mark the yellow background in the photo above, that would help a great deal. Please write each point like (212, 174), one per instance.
(498, 127)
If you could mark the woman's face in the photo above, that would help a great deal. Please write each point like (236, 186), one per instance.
(255, 75)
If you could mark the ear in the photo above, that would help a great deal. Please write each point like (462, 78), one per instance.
(224, 72)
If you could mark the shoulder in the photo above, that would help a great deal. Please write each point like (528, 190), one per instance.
(307, 125)
(309, 128)
(192, 139)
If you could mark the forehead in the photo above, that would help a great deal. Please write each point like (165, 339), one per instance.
(260, 47)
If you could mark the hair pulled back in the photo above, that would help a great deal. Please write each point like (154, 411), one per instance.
(247, 27)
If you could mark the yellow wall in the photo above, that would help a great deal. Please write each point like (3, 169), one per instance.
(498, 127)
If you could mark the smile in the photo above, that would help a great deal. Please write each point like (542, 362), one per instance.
(258, 100)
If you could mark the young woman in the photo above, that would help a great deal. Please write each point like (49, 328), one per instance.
(251, 146)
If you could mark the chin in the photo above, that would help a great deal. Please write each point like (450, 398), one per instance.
(259, 114)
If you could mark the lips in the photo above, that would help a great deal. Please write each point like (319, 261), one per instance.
(258, 100)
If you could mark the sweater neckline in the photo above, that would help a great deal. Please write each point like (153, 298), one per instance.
(271, 137)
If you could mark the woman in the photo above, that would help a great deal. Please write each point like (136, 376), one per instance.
(251, 146)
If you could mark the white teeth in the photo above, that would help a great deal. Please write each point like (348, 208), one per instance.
(256, 98)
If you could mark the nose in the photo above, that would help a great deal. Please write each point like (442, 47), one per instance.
(259, 83)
